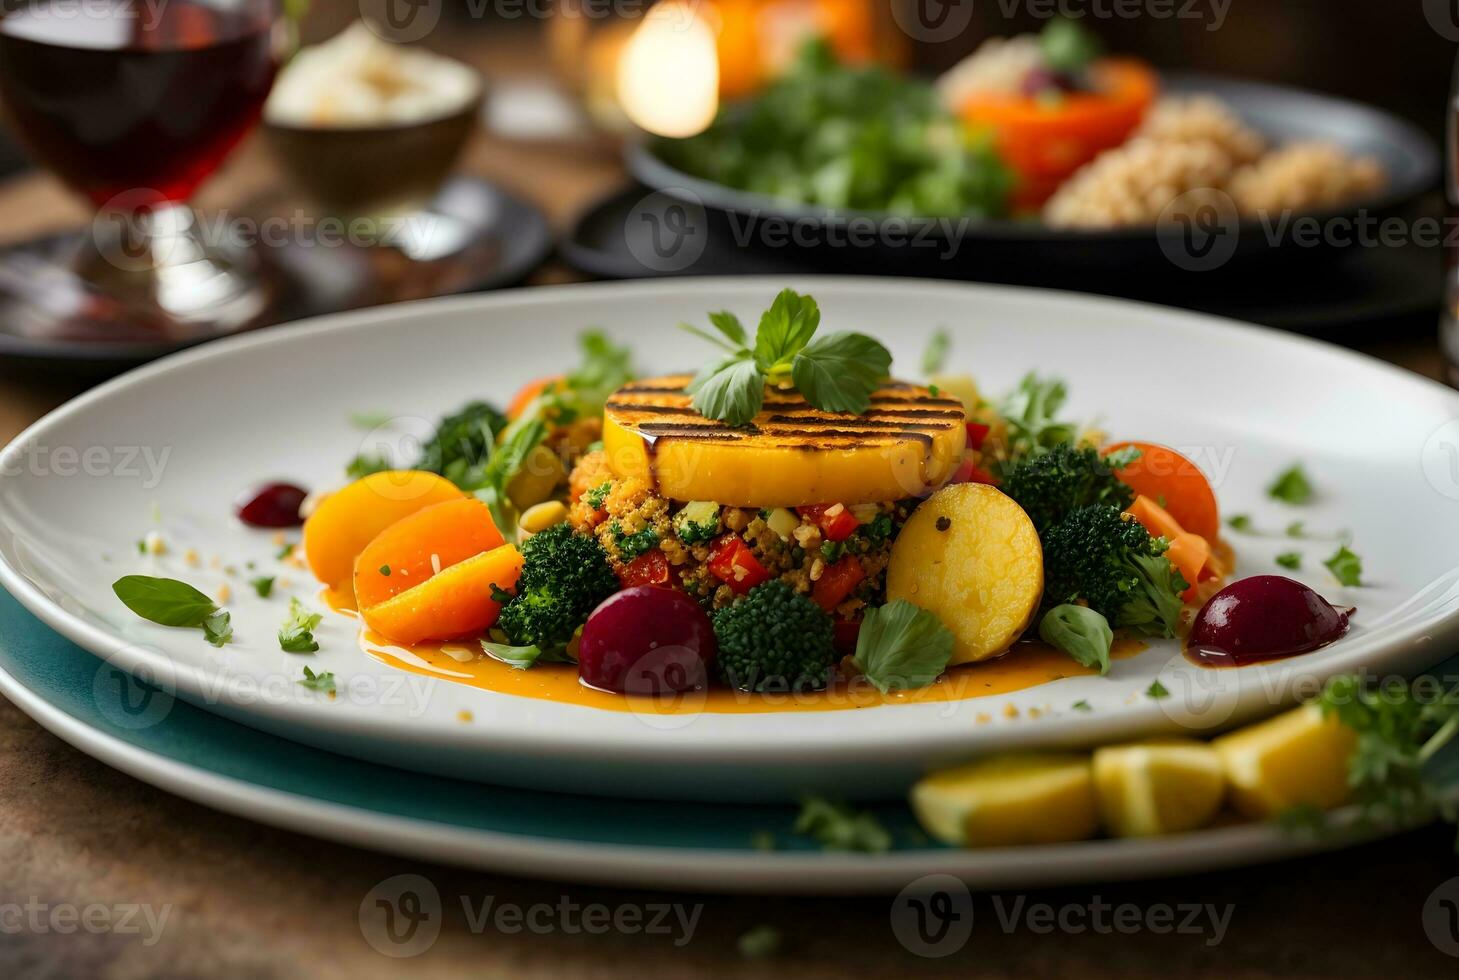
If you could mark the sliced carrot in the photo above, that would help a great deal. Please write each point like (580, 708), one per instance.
(1166, 476)
(455, 603)
(1157, 520)
(528, 392)
(418, 546)
(348, 520)
(1191, 555)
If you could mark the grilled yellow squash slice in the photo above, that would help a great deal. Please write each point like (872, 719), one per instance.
(791, 454)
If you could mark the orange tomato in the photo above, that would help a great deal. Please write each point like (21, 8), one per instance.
(1045, 142)
(1164, 475)
(420, 545)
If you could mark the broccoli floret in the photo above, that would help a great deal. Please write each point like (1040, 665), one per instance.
(774, 639)
(1051, 485)
(564, 577)
(1116, 567)
(697, 522)
(462, 444)
(630, 546)
(597, 496)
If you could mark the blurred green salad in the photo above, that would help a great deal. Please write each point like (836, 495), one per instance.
(848, 137)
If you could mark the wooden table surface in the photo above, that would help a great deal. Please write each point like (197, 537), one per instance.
(247, 900)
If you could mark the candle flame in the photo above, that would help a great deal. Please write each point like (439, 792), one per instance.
(668, 75)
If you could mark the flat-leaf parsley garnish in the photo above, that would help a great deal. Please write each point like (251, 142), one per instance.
(322, 681)
(1346, 567)
(838, 827)
(1291, 486)
(901, 646)
(835, 372)
(297, 633)
(218, 628)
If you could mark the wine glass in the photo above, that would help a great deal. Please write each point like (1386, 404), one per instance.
(134, 103)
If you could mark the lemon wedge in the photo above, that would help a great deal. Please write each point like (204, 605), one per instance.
(1010, 800)
(1296, 758)
(1159, 786)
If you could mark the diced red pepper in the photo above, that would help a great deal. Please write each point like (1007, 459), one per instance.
(969, 472)
(733, 563)
(845, 634)
(837, 582)
(649, 568)
(977, 433)
(834, 527)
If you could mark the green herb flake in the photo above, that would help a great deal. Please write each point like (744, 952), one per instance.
(370, 420)
(297, 633)
(1081, 705)
(1239, 522)
(1291, 486)
(759, 942)
(263, 585)
(322, 681)
(1296, 529)
(1156, 691)
(598, 495)
(285, 550)
(1289, 559)
(385, 570)
(1346, 567)
(763, 840)
(901, 646)
(838, 827)
(218, 628)
(934, 357)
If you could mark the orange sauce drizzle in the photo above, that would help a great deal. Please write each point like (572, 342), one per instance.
(1027, 665)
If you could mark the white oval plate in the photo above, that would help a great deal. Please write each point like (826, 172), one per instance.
(174, 442)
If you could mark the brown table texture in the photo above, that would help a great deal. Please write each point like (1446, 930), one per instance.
(248, 900)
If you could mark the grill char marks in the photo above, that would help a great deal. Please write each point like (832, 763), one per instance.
(660, 410)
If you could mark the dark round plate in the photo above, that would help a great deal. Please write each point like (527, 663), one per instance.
(481, 238)
(623, 235)
(1033, 253)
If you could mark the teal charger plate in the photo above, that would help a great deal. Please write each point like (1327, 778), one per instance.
(185, 750)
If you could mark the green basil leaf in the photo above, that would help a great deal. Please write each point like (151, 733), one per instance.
(731, 391)
(837, 372)
(1080, 632)
(785, 329)
(165, 601)
(729, 325)
(901, 646)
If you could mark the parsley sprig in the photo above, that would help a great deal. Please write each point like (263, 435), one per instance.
(1405, 765)
(835, 372)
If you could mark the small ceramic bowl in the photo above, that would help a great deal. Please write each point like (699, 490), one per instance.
(373, 170)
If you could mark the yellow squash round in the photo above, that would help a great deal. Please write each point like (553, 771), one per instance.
(791, 454)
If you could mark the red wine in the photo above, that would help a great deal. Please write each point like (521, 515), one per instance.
(120, 95)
